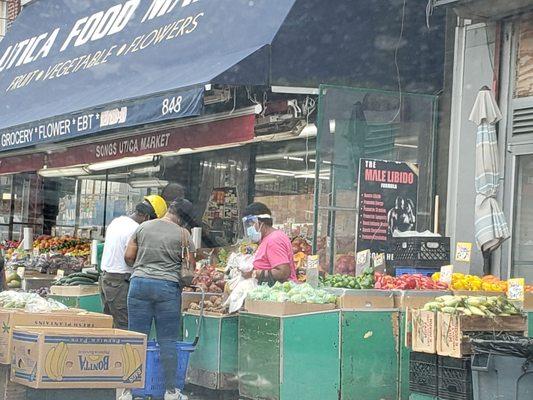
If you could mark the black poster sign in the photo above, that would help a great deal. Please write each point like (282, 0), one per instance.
(387, 202)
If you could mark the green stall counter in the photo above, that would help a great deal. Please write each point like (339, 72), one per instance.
(369, 354)
(405, 353)
(289, 357)
(213, 364)
(89, 302)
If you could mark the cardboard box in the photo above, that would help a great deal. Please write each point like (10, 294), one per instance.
(453, 331)
(404, 299)
(81, 290)
(10, 318)
(287, 308)
(10, 390)
(424, 331)
(51, 358)
(365, 298)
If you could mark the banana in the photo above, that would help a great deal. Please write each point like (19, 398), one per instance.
(48, 364)
(62, 359)
(131, 359)
(54, 362)
(56, 366)
(137, 358)
(125, 362)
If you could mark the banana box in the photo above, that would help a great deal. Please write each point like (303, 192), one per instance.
(10, 318)
(49, 358)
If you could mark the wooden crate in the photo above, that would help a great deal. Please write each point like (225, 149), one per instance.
(80, 290)
(424, 331)
(453, 331)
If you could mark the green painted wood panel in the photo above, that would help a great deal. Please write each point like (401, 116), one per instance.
(259, 356)
(404, 361)
(229, 347)
(207, 354)
(89, 303)
(530, 324)
(310, 352)
(369, 362)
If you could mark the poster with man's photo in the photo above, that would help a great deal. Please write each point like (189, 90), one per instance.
(387, 200)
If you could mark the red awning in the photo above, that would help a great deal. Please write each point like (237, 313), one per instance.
(23, 163)
(222, 132)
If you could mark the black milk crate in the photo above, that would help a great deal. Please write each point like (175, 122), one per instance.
(455, 378)
(419, 251)
(423, 375)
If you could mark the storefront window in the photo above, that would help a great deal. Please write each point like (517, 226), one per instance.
(285, 182)
(5, 205)
(357, 124)
(523, 226)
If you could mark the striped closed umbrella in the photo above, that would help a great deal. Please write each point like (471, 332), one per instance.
(491, 227)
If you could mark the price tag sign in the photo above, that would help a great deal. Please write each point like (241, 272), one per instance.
(60, 274)
(516, 289)
(463, 252)
(379, 262)
(362, 261)
(20, 272)
(36, 252)
(446, 273)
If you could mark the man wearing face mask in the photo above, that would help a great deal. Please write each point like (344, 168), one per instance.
(274, 260)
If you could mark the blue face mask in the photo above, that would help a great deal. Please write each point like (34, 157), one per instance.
(253, 234)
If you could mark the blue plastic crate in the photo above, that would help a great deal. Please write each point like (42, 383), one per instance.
(154, 386)
(399, 271)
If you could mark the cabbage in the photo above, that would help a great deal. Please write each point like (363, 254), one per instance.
(298, 298)
(290, 291)
(29, 301)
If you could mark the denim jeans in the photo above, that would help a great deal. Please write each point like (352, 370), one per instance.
(159, 300)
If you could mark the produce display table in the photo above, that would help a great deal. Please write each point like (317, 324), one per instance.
(214, 363)
(89, 302)
(369, 354)
(289, 357)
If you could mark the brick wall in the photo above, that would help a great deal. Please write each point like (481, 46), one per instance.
(13, 9)
(9, 9)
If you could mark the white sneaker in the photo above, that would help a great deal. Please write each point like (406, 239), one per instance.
(175, 395)
(126, 395)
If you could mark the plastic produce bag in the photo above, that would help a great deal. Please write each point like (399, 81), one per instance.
(504, 345)
(239, 292)
(240, 262)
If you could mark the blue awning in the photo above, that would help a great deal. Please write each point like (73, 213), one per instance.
(70, 68)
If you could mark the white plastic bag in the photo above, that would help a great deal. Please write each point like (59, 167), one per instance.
(239, 292)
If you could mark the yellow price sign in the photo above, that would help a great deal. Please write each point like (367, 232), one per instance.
(60, 274)
(516, 289)
(463, 252)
